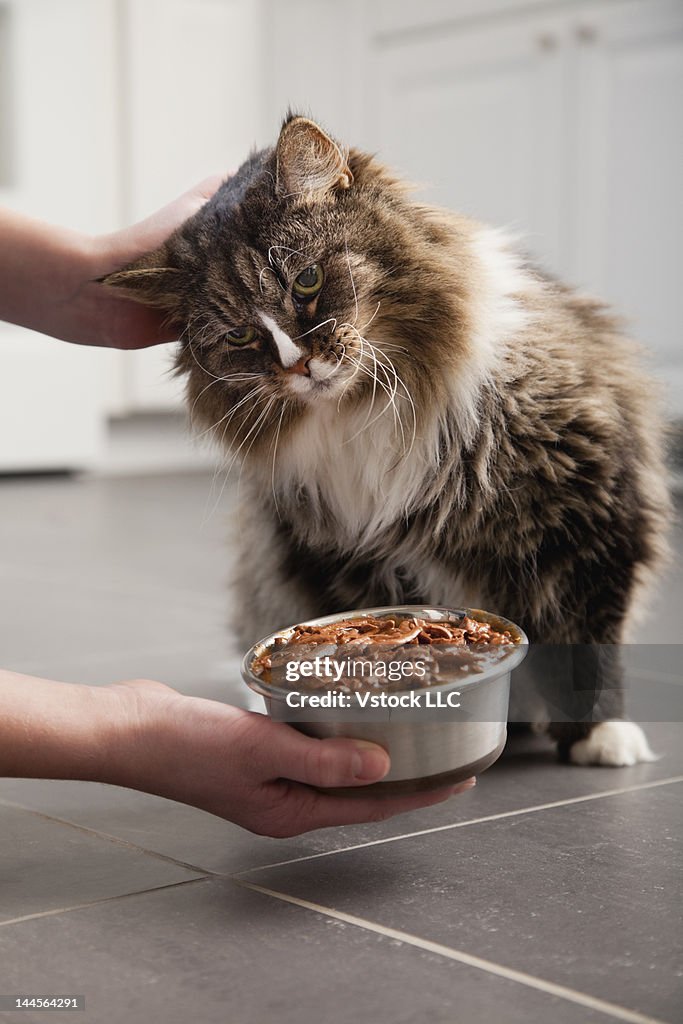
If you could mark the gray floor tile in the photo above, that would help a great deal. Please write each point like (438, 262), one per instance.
(121, 578)
(150, 529)
(44, 624)
(45, 866)
(580, 895)
(528, 775)
(213, 952)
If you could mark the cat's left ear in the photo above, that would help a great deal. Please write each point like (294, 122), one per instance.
(308, 161)
(149, 280)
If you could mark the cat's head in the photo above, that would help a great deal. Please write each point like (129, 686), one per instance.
(308, 278)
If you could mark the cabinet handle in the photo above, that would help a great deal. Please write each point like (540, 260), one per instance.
(547, 41)
(586, 33)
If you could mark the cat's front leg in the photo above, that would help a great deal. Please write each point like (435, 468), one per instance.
(269, 591)
(588, 689)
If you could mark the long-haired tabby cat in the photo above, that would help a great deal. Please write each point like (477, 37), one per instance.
(421, 416)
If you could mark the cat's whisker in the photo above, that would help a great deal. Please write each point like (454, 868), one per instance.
(406, 390)
(394, 348)
(267, 270)
(222, 465)
(201, 366)
(353, 283)
(292, 252)
(275, 444)
(390, 389)
(231, 412)
(331, 320)
(339, 358)
(365, 326)
(253, 427)
(258, 426)
(394, 392)
(389, 403)
(374, 389)
(201, 393)
(357, 368)
(232, 377)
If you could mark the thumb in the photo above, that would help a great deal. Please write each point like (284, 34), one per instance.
(329, 762)
(178, 210)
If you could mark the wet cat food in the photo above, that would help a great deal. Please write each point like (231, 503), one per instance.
(392, 652)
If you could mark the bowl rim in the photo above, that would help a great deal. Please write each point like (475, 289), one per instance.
(442, 613)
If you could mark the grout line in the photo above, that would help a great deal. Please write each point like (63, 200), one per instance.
(107, 837)
(470, 821)
(96, 903)
(531, 981)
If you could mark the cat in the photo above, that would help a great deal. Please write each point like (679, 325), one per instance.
(422, 416)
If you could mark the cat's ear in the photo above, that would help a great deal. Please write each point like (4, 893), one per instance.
(309, 161)
(150, 280)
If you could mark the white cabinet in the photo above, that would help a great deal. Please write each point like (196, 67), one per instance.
(475, 116)
(59, 162)
(564, 123)
(628, 208)
(193, 106)
(558, 120)
(109, 109)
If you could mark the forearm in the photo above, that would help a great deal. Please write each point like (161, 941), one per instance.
(49, 275)
(48, 278)
(54, 730)
(42, 267)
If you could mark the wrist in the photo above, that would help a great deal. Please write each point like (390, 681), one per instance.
(135, 743)
(54, 730)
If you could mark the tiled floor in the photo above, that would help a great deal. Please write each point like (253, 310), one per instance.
(549, 893)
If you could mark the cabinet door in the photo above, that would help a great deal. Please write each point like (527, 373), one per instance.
(58, 163)
(630, 216)
(193, 107)
(477, 113)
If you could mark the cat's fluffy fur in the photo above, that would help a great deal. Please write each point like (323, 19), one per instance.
(441, 424)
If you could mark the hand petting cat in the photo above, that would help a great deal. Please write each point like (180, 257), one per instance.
(49, 276)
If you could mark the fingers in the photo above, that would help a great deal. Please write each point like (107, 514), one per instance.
(307, 809)
(115, 250)
(185, 205)
(154, 230)
(206, 188)
(330, 762)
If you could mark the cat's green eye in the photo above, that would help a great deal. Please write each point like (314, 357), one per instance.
(309, 282)
(241, 335)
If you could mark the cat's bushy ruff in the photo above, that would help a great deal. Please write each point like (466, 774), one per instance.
(421, 416)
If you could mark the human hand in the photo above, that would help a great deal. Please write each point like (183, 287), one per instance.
(233, 763)
(246, 768)
(49, 276)
(107, 317)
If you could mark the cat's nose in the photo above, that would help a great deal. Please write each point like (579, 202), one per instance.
(300, 366)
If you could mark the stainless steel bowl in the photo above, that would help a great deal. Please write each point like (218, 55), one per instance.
(427, 750)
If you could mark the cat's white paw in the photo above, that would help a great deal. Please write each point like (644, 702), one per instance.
(620, 744)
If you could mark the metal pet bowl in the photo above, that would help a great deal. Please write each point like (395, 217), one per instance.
(429, 749)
